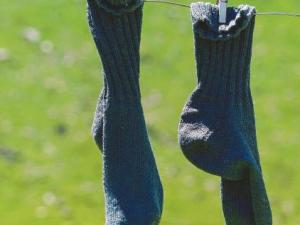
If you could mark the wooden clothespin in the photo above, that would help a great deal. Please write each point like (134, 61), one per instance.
(222, 10)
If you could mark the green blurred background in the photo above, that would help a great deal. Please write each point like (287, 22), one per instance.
(50, 168)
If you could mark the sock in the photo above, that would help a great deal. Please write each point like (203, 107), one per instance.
(133, 190)
(217, 127)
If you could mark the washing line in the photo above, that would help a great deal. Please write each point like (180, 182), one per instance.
(257, 13)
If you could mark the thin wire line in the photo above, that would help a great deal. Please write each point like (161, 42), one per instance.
(258, 13)
(168, 2)
(278, 14)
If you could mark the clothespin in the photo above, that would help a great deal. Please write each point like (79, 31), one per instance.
(222, 10)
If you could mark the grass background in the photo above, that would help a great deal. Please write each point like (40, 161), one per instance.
(50, 168)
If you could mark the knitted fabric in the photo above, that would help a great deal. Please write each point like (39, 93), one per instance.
(133, 190)
(115, 7)
(97, 127)
(119, 7)
(217, 128)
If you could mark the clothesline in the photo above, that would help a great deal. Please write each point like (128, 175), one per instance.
(258, 13)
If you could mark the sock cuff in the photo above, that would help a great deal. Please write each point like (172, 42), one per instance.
(119, 7)
(205, 19)
(223, 59)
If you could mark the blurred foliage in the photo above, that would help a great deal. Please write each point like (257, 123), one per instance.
(49, 82)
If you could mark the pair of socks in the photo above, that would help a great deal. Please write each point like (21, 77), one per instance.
(217, 128)
(132, 186)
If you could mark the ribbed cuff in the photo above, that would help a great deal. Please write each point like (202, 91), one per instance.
(118, 41)
(205, 19)
(223, 66)
(119, 7)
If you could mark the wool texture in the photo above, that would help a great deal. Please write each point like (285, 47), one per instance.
(217, 129)
(132, 186)
(97, 127)
(119, 7)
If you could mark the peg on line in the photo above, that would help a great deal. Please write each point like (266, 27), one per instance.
(222, 10)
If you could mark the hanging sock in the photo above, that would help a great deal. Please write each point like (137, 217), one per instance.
(133, 190)
(217, 128)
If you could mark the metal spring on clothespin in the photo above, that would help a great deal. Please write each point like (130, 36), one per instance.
(222, 10)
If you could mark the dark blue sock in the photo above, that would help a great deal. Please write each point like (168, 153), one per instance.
(133, 191)
(217, 127)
